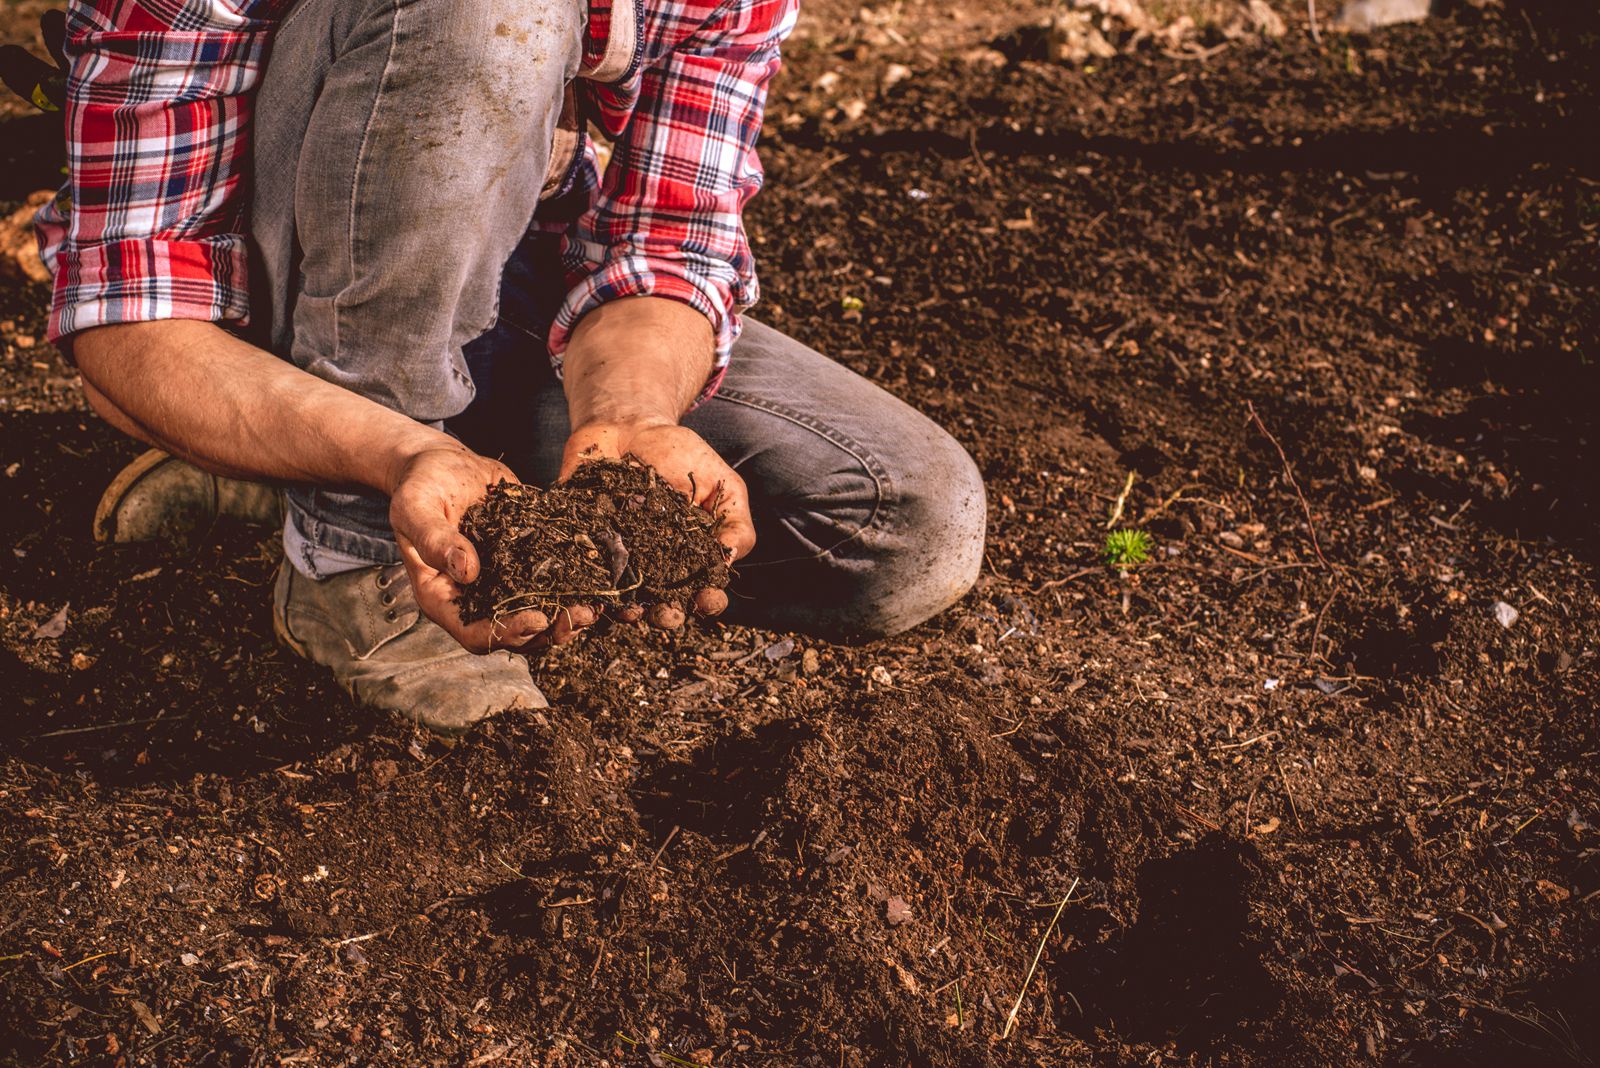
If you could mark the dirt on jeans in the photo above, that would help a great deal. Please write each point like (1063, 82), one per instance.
(1302, 810)
(612, 534)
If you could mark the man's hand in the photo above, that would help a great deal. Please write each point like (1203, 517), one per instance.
(688, 464)
(633, 368)
(431, 491)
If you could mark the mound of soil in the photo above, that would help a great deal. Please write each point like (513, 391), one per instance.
(613, 533)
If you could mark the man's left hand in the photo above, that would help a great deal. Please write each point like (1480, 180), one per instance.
(688, 464)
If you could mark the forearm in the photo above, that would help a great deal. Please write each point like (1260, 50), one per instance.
(198, 392)
(641, 361)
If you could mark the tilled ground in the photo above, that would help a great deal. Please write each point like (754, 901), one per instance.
(1306, 799)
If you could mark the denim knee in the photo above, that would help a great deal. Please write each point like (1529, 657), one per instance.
(906, 529)
(935, 520)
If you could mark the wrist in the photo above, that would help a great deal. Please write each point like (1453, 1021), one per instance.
(405, 450)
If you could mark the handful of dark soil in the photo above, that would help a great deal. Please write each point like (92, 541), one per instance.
(614, 533)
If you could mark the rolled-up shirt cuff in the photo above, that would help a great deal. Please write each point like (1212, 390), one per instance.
(145, 280)
(643, 276)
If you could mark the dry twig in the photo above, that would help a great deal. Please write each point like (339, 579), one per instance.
(1288, 473)
(1121, 501)
(1011, 1020)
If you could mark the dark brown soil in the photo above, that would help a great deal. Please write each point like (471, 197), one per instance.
(1302, 814)
(613, 533)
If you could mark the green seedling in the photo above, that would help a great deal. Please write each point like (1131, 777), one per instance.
(1126, 549)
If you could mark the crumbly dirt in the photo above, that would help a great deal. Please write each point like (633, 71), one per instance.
(613, 533)
(1300, 812)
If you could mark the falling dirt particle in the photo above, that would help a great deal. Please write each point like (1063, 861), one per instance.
(896, 911)
(1268, 827)
(1505, 615)
(881, 675)
(385, 772)
(810, 662)
(701, 1056)
(82, 661)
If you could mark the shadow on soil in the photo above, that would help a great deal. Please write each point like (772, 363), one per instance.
(1191, 970)
(1533, 419)
(722, 792)
(117, 695)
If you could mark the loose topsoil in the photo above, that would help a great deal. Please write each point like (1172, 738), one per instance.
(612, 533)
(1301, 809)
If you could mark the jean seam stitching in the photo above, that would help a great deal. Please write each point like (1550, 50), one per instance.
(881, 481)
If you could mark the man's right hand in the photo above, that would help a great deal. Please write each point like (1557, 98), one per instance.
(431, 491)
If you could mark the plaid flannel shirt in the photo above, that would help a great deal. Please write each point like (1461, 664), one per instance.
(151, 223)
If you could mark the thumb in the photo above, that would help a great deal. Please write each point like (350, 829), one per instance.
(442, 547)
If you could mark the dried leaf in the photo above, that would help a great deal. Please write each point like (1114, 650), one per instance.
(54, 627)
(146, 1017)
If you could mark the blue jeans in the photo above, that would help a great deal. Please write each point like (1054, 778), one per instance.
(392, 226)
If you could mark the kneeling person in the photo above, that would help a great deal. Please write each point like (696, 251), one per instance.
(381, 251)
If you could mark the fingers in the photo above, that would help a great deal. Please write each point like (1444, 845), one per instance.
(436, 594)
(511, 632)
(666, 616)
(729, 499)
(570, 623)
(709, 602)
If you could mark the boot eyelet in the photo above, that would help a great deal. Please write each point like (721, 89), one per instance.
(391, 615)
(388, 599)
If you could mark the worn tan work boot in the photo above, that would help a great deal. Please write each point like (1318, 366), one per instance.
(159, 497)
(366, 626)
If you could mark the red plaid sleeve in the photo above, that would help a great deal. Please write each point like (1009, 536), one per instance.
(158, 114)
(667, 221)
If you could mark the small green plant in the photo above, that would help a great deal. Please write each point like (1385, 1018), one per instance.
(1126, 549)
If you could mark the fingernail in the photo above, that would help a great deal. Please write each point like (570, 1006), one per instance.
(455, 561)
